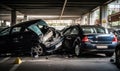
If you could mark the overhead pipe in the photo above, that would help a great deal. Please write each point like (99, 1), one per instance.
(65, 2)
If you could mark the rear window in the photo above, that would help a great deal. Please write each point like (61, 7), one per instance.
(88, 30)
(100, 30)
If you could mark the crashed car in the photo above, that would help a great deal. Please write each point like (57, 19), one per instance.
(32, 37)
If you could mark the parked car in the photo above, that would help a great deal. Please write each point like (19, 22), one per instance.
(34, 37)
(88, 39)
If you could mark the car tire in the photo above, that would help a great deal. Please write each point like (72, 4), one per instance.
(109, 54)
(77, 50)
(117, 57)
(37, 51)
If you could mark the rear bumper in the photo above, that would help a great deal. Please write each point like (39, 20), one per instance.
(98, 51)
(105, 48)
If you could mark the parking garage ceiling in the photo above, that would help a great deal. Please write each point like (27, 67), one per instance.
(74, 8)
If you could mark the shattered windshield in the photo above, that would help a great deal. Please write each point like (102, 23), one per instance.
(35, 29)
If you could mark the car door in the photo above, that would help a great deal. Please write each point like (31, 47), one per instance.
(67, 38)
(4, 39)
(15, 38)
(71, 37)
(74, 35)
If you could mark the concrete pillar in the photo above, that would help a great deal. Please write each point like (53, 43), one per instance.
(91, 18)
(3, 23)
(13, 17)
(103, 15)
(25, 18)
(81, 20)
(101, 12)
(0, 22)
(88, 18)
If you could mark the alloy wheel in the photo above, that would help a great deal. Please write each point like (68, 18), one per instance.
(36, 51)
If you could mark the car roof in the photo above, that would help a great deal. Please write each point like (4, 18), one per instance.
(86, 25)
(31, 22)
(90, 26)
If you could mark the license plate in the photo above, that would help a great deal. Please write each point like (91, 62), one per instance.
(102, 47)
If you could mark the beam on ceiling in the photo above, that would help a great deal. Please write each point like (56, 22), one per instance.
(109, 1)
(6, 7)
(63, 8)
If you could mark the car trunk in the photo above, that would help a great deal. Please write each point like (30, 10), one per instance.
(100, 38)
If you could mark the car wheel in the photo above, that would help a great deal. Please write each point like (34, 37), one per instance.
(118, 58)
(77, 50)
(109, 54)
(37, 51)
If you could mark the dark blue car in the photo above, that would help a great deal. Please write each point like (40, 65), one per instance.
(89, 39)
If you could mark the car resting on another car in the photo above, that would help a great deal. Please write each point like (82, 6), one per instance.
(33, 37)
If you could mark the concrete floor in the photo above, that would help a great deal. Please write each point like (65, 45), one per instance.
(59, 63)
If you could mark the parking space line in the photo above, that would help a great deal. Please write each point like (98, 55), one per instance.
(14, 67)
(5, 59)
(37, 60)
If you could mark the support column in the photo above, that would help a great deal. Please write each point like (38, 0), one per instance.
(25, 18)
(81, 20)
(88, 18)
(13, 17)
(103, 15)
(91, 18)
(3, 23)
(100, 19)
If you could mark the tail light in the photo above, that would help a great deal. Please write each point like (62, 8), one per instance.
(85, 39)
(114, 39)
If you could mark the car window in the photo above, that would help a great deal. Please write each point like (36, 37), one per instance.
(35, 29)
(100, 30)
(16, 29)
(88, 30)
(74, 31)
(5, 32)
(67, 32)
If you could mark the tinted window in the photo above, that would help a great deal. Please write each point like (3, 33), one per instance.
(94, 30)
(88, 30)
(67, 32)
(16, 29)
(100, 30)
(74, 31)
